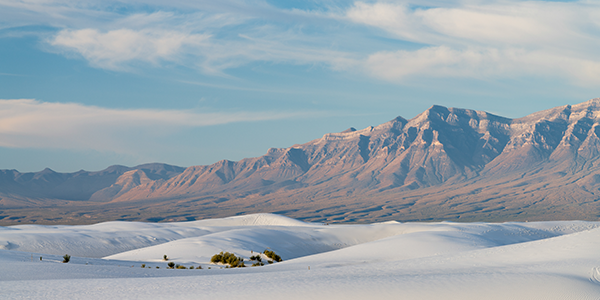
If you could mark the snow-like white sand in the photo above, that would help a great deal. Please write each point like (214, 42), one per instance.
(536, 260)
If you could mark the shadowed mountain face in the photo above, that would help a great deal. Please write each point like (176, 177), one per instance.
(444, 164)
(80, 185)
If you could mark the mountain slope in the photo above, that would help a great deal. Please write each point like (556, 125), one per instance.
(445, 163)
(80, 185)
(437, 146)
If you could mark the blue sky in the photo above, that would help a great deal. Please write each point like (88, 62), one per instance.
(88, 84)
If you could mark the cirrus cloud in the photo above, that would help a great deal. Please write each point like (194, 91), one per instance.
(506, 38)
(486, 39)
(114, 48)
(478, 62)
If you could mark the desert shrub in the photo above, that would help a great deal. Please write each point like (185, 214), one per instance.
(271, 254)
(165, 257)
(180, 267)
(143, 265)
(258, 264)
(157, 267)
(66, 258)
(171, 265)
(256, 258)
(191, 267)
(217, 258)
(270, 261)
(228, 259)
(199, 267)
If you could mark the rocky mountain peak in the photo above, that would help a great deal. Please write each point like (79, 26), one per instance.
(446, 161)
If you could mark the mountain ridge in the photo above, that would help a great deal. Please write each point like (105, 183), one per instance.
(534, 162)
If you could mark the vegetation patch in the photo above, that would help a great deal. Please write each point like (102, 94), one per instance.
(258, 261)
(228, 259)
(271, 254)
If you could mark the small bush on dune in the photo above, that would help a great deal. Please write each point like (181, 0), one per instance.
(171, 265)
(271, 254)
(233, 261)
(217, 258)
(66, 258)
(143, 265)
(165, 258)
(180, 267)
(228, 259)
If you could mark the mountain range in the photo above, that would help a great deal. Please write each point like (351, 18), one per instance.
(444, 164)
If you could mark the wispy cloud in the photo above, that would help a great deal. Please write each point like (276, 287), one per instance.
(490, 39)
(116, 48)
(490, 23)
(32, 123)
(211, 43)
(479, 62)
(465, 39)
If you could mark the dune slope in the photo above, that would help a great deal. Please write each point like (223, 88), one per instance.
(535, 260)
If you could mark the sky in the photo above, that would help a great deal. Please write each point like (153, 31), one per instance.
(89, 84)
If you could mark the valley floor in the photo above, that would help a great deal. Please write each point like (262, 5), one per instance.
(535, 260)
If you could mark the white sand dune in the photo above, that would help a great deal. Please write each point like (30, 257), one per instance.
(536, 260)
(108, 238)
